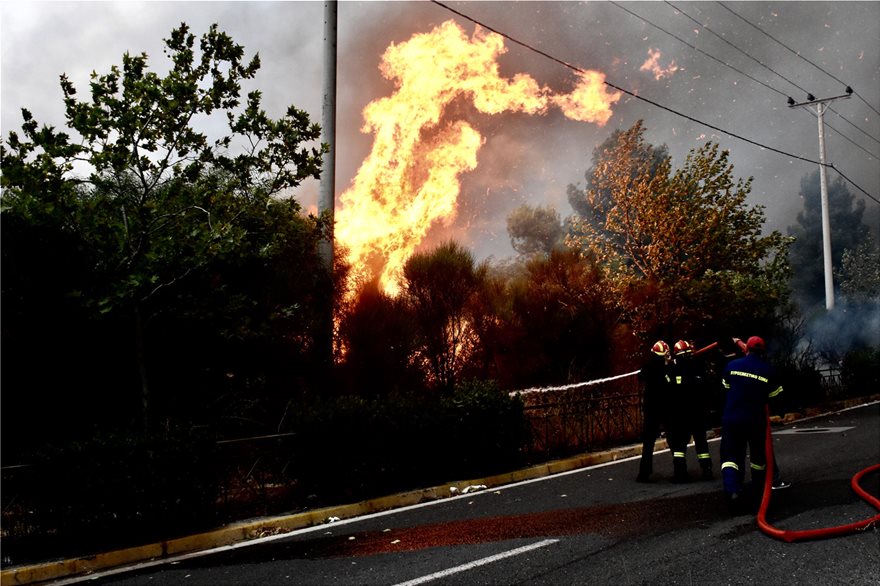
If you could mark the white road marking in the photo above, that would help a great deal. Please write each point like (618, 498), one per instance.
(809, 430)
(477, 563)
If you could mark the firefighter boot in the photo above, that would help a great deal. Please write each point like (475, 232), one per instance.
(679, 470)
(706, 465)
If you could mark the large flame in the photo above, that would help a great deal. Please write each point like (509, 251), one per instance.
(410, 179)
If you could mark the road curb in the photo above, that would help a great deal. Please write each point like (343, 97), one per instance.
(252, 529)
(247, 530)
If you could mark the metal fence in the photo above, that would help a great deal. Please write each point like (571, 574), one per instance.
(584, 418)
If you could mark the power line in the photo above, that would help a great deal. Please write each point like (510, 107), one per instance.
(853, 183)
(848, 139)
(698, 50)
(759, 62)
(830, 126)
(638, 97)
(829, 74)
(857, 127)
(755, 59)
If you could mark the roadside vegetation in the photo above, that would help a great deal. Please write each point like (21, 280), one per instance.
(164, 311)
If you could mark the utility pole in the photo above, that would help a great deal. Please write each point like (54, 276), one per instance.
(327, 195)
(822, 105)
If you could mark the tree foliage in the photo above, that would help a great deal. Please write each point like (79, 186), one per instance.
(679, 247)
(848, 232)
(171, 229)
(565, 328)
(645, 157)
(535, 230)
(380, 333)
(440, 286)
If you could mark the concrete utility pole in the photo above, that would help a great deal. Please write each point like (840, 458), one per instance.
(821, 106)
(327, 196)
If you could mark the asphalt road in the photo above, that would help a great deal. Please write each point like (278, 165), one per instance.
(591, 526)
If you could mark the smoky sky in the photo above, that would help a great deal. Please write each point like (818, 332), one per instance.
(525, 159)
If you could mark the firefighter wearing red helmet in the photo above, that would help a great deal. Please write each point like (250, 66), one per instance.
(689, 413)
(751, 383)
(654, 400)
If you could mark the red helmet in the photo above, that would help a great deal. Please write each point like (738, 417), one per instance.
(683, 347)
(755, 344)
(660, 348)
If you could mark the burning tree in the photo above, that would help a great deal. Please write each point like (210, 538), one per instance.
(441, 287)
(680, 248)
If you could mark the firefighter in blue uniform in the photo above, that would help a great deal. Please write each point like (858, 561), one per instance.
(654, 402)
(689, 413)
(751, 382)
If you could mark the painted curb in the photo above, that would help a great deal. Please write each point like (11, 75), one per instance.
(246, 530)
(243, 531)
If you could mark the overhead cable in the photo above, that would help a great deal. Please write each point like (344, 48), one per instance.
(830, 126)
(764, 65)
(829, 74)
(780, 92)
(845, 137)
(698, 50)
(856, 126)
(853, 183)
(638, 97)
(755, 59)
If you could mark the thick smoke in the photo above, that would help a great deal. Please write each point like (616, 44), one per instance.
(848, 326)
(531, 159)
(526, 159)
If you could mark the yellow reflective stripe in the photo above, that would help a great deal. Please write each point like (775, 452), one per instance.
(749, 375)
(729, 465)
(758, 466)
(725, 384)
(678, 380)
(704, 456)
(678, 454)
(776, 392)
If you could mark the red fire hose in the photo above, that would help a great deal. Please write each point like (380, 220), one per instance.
(803, 535)
(706, 349)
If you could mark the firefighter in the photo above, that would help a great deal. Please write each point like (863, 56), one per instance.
(751, 382)
(689, 414)
(654, 401)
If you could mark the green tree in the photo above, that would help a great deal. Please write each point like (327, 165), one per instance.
(848, 232)
(160, 214)
(535, 230)
(593, 210)
(680, 249)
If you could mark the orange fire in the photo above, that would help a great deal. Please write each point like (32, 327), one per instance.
(411, 178)
(652, 64)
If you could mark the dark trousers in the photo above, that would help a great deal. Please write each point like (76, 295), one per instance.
(679, 435)
(736, 439)
(650, 433)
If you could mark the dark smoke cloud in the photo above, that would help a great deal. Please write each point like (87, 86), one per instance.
(526, 159)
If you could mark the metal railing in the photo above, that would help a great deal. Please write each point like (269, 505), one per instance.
(584, 418)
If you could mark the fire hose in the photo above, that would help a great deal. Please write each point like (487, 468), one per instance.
(791, 536)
